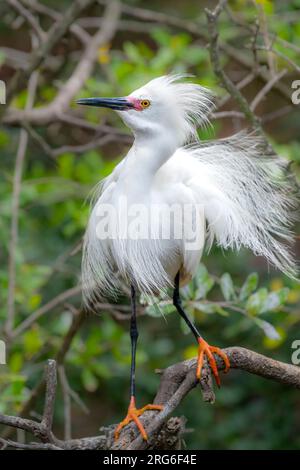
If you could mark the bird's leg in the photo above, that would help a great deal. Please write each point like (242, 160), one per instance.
(133, 413)
(204, 349)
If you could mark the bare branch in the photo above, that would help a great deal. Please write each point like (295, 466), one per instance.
(281, 55)
(176, 382)
(77, 321)
(277, 113)
(15, 211)
(227, 114)
(46, 114)
(67, 402)
(51, 382)
(31, 20)
(38, 56)
(212, 17)
(59, 299)
(266, 37)
(34, 446)
(194, 29)
(265, 90)
(75, 28)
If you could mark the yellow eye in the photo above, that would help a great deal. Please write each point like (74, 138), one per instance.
(145, 103)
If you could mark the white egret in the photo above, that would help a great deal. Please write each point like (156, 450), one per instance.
(224, 190)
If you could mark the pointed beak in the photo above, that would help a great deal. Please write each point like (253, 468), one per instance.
(119, 104)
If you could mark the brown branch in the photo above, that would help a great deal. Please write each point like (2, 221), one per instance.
(17, 182)
(281, 55)
(225, 81)
(194, 29)
(67, 402)
(44, 115)
(59, 299)
(176, 382)
(39, 55)
(75, 28)
(179, 379)
(265, 90)
(51, 382)
(31, 20)
(107, 137)
(78, 319)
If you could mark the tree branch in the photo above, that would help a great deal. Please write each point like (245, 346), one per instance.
(226, 82)
(44, 115)
(31, 20)
(38, 56)
(176, 382)
(14, 229)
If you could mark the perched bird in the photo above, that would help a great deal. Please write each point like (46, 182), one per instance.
(171, 196)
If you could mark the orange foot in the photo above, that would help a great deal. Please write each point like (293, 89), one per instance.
(207, 350)
(133, 415)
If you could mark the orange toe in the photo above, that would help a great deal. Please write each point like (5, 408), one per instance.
(208, 351)
(133, 415)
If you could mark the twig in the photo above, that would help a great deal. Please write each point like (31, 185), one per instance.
(45, 114)
(240, 85)
(77, 321)
(23, 140)
(39, 55)
(212, 17)
(67, 402)
(94, 143)
(31, 20)
(277, 113)
(34, 446)
(265, 90)
(266, 37)
(194, 29)
(281, 55)
(51, 383)
(75, 28)
(227, 114)
(60, 298)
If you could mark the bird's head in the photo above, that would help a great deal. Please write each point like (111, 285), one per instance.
(164, 105)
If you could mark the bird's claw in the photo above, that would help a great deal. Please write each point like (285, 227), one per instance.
(205, 349)
(133, 415)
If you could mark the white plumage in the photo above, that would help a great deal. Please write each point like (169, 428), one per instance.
(238, 196)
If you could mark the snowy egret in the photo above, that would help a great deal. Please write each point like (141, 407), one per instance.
(171, 195)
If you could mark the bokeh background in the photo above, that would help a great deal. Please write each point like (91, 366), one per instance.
(236, 300)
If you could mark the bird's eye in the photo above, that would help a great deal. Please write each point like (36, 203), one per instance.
(145, 103)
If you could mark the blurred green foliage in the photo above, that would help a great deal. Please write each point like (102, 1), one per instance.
(234, 299)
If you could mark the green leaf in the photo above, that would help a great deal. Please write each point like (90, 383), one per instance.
(4, 138)
(184, 327)
(16, 362)
(102, 370)
(32, 341)
(153, 310)
(269, 330)
(275, 300)
(204, 282)
(272, 343)
(249, 286)
(227, 287)
(89, 380)
(255, 303)
(210, 308)
(66, 165)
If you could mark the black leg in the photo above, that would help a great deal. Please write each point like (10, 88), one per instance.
(134, 336)
(178, 306)
(134, 413)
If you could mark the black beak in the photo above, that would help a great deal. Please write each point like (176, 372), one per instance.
(120, 104)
